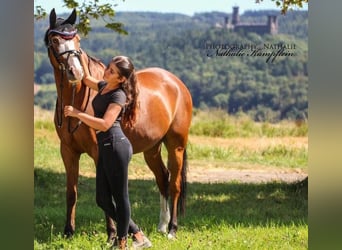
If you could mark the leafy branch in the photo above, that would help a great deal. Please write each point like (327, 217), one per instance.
(286, 5)
(87, 11)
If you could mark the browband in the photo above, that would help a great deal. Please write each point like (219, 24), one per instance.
(67, 35)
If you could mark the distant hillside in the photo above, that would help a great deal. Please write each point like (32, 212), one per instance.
(183, 44)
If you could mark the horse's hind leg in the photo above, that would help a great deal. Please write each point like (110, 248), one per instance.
(175, 146)
(175, 166)
(155, 163)
(71, 164)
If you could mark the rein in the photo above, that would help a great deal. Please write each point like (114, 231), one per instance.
(62, 69)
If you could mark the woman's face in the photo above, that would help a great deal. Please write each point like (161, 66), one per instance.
(111, 74)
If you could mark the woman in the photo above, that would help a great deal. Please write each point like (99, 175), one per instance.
(115, 101)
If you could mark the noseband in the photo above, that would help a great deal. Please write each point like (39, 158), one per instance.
(63, 67)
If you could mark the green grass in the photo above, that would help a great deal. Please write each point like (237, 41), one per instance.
(228, 215)
(221, 215)
(217, 123)
(279, 155)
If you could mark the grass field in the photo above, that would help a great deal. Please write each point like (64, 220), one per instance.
(225, 215)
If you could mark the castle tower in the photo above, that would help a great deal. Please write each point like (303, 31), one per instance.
(235, 18)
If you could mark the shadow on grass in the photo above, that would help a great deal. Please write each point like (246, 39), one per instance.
(208, 205)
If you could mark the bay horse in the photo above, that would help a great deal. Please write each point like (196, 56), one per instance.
(163, 117)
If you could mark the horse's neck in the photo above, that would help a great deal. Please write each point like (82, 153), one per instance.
(96, 67)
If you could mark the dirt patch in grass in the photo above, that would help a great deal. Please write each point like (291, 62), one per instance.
(255, 174)
(245, 174)
(250, 143)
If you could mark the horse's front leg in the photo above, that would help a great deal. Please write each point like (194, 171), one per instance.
(111, 229)
(71, 164)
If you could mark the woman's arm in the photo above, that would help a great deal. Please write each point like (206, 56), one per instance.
(90, 81)
(102, 124)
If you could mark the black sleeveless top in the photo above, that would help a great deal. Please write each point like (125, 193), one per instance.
(102, 101)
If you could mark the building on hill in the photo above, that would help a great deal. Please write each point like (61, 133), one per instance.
(271, 27)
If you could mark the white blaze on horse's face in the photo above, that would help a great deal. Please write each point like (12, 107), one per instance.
(74, 65)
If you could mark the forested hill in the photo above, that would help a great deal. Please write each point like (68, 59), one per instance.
(262, 75)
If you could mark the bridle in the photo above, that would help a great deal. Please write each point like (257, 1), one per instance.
(63, 70)
(66, 36)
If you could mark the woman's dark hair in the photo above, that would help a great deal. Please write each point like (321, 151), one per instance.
(126, 69)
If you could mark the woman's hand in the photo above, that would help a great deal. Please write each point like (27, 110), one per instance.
(90, 81)
(70, 111)
(84, 66)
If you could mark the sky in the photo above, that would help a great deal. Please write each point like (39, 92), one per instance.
(187, 7)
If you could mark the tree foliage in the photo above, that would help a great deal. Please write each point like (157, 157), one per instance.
(286, 5)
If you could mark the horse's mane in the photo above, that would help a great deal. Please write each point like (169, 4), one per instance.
(94, 59)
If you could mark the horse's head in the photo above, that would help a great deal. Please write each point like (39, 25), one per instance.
(63, 44)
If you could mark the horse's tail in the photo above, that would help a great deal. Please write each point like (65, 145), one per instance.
(182, 196)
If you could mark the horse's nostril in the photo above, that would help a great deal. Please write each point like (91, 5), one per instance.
(72, 70)
(74, 73)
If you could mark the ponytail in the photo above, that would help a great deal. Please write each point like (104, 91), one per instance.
(126, 68)
(131, 89)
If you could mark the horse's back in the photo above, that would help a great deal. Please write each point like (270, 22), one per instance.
(158, 79)
(160, 87)
(164, 103)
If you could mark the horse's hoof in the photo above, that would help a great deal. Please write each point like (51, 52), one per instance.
(68, 232)
(171, 236)
(68, 235)
(162, 231)
(110, 239)
(162, 228)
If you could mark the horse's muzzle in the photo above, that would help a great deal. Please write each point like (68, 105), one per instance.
(74, 75)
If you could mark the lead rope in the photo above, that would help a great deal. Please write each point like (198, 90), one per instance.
(59, 114)
(72, 104)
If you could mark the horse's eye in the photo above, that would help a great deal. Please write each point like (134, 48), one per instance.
(54, 40)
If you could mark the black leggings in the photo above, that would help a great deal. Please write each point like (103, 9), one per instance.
(115, 153)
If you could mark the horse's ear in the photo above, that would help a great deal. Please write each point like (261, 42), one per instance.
(72, 18)
(52, 19)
